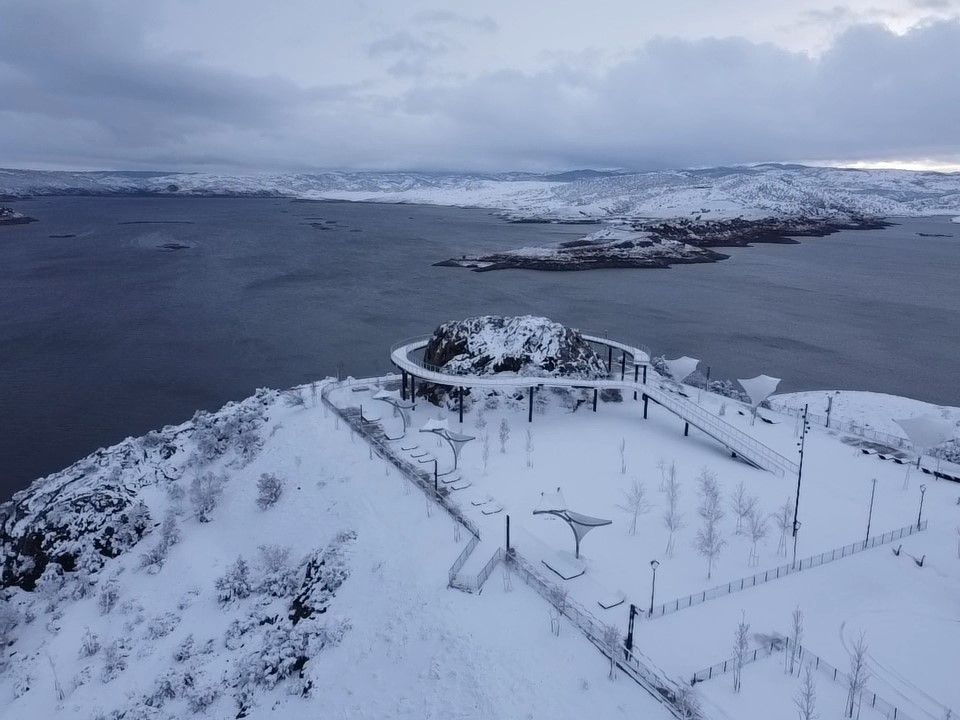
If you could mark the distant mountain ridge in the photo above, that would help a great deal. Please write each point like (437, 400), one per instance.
(750, 191)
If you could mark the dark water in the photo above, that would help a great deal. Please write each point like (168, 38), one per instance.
(104, 335)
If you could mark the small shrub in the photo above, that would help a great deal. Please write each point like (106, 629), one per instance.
(205, 492)
(89, 644)
(162, 625)
(277, 578)
(114, 661)
(269, 489)
(201, 698)
(109, 595)
(235, 584)
(9, 619)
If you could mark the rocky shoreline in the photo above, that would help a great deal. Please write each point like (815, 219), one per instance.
(660, 244)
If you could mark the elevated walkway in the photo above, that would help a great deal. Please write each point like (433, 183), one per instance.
(739, 443)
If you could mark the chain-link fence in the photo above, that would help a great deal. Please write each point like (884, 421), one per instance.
(776, 573)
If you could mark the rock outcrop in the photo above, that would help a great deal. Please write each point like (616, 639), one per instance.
(525, 345)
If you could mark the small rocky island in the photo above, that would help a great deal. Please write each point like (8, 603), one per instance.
(9, 216)
(659, 244)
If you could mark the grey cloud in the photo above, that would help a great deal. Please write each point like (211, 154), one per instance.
(80, 85)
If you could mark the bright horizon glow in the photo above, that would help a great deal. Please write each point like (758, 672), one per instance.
(911, 165)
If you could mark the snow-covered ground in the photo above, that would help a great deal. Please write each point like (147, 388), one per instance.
(878, 410)
(410, 647)
(394, 641)
(713, 193)
(909, 613)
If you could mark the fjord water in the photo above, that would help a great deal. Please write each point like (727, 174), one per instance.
(113, 332)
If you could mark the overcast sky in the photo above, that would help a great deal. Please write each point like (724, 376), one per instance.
(490, 85)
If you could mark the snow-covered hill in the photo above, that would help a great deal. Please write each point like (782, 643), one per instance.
(751, 192)
(169, 579)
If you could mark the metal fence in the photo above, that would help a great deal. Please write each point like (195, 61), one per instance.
(461, 561)
(867, 698)
(846, 425)
(374, 435)
(730, 664)
(674, 696)
(781, 571)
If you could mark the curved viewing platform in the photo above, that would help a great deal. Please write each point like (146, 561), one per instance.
(646, 384)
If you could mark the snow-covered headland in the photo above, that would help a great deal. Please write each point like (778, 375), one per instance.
(126, 597)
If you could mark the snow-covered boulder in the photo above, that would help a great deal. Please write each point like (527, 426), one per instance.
(523, 345)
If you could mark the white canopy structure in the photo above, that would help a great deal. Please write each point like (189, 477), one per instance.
(555, 504)
(399, 405)
(454, 439)
(927, 431)
(759, 389)
(681, 368)
(434, 425)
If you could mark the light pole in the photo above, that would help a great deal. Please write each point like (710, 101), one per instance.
(796, 506)
(870, 514)
(653, 586)
(923, 490)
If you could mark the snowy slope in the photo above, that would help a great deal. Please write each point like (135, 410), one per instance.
(391, 641)
(752, 192)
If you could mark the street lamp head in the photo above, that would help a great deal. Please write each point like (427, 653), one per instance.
(654, 564)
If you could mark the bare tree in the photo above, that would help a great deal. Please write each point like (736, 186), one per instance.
(784, 520)
(793, 655)
(205, 492)
(480, 421)
(686, 702)
(958, 541)
(635, 504)
(757, 528)
(611, 640)
(806, 698)
(623, 456)
(662, 469)
(529, 448)
(858, 675)
(672, 517)
(558, 603)
(504, 435)
(741, 640)
(485, 444)
(709, 540)
(742, 504)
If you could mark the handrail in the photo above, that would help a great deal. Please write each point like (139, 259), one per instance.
(733, 438)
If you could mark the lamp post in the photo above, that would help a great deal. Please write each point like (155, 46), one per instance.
(870, 514)
(923, 490)
(796, 506)
(653, 585)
